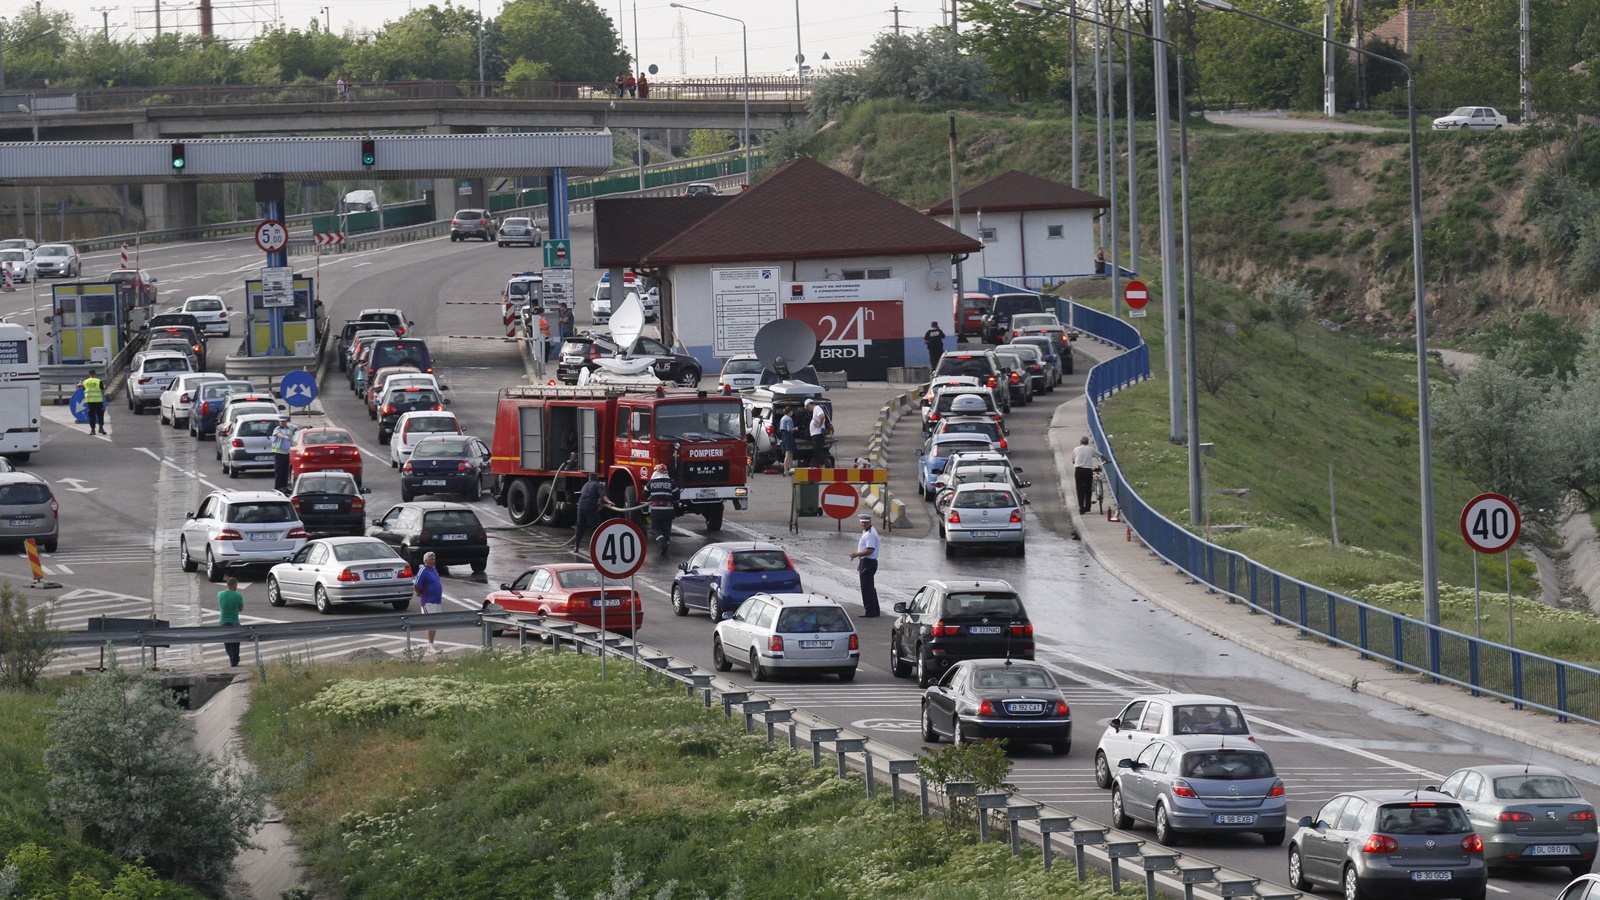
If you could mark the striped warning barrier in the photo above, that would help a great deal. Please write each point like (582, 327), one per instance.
(33, 559)
(482, 337)
(474, 303)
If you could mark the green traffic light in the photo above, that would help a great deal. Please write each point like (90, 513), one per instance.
(177, 156)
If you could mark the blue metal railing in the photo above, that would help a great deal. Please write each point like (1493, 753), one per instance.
(1567, 690)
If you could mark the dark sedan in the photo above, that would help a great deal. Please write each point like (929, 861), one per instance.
(446, 464)
(449, 530)
(1020, 702)
(329, 503)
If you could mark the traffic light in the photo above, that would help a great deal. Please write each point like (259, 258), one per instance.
(178, 158)
(369, 152)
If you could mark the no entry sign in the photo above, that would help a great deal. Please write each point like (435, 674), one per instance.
(1136, 294)
(1490, 523)
(839, 500)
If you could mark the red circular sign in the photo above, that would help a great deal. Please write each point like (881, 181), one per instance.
(1491, 523)
(839, 500)
(271, 236)
(561, 251)
(617, 548)
(1136, 294)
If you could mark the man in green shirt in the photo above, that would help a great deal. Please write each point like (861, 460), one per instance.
(229, 603)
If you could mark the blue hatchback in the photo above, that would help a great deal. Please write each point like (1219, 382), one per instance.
(722, 576)
(207, 405)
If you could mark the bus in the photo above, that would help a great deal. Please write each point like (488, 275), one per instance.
(19, 392)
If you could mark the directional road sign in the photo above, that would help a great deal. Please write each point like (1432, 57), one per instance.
(839, 500)
(79, 407)
(617, 548)
(298, 389)
(1490, 523)
(325, 238)
(558, 254)
(271, 236)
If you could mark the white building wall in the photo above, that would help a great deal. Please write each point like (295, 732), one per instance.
(1021, 243)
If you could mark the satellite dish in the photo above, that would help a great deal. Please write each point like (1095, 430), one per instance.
(784, 345)
(612, 370)
(627, 320)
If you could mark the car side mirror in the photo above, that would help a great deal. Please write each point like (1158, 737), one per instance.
(444, 387)
(505, 587)
(366, 490)
(377, 523)
(409, 322)
(1435, 787)
(900, 608)
(189, 514)
(1127, 764)
(1115, 724)
(1026, 502)
(445, 402)
(922, 453)
(1305, 822)
(683, 567)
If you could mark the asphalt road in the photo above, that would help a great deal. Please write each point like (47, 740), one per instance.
(123, 498)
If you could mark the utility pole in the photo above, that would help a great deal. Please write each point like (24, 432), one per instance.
(158, 18)
(955, 208)
(955, 27)
(1526, 59)
(105, 19)
(1361, 61)
(896, 12)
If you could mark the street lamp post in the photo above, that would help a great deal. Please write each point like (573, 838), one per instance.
(38, 213)
(1430, 561)
(744, 41)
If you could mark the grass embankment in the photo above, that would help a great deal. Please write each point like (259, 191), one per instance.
(525, 776)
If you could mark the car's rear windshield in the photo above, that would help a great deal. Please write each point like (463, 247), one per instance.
(760, 561)
(977, 366)
(326, 484)
(391, 318)
(1534, 787)
(985, 499)
(946, 448)
(982, 603)
(573, 579)
(1226, 765)
(414, 396)
(25, 493)
(458, 519)
(974, 303)
(262, 513)
(255, 428)
(1013, 678)
(519, 288)
(363, 550)
(743, 367)
(521, 223)
(440, 448)
(248, 409)
(166, 365)
(576, 348)
(329, 437)
(433, 424)
(1422, 818)
(1210, 718)
(1012, 305)
(1041, 344)
(989, 429)
(204, 305)
(222, 389)
(398, 353)
(813, 620)
(469, 213)
(1026, 320)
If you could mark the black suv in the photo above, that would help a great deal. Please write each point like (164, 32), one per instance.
(997, 324)
(947, 622)
(450, 531)
(577, 353)
(397, 352)
(979, 364)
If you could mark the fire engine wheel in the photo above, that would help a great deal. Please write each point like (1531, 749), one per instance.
(520, 502)
(630, 498)
(714, 518)
(545, 506)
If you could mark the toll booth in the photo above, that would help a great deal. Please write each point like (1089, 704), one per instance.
(92, 322)
(299, 320)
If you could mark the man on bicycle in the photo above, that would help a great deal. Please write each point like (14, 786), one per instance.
(1085, 459)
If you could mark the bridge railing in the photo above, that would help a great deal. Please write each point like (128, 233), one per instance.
(764, 87)
(1565, 689)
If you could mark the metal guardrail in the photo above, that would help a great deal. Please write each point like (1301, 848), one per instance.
(1564, 689)
(1037, 822)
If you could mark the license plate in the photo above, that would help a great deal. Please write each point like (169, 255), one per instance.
(433, 482)
(607, 602)
(816, 645)
(1552, 850)
(263, 457)
(1026, 707)
(1233, 820)
(263, 536)
(452, 537)
(983, 629)
(378, 573)
(324, 506)
(22, 521)
(1433, 875)
(706, 494)
(985, 534)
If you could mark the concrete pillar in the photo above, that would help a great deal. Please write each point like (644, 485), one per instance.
(447, 196)
(171, 206)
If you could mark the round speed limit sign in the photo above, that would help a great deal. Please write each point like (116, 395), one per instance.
(271, 236)
(1490, 523)
(617, 548)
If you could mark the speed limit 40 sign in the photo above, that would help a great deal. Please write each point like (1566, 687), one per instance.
(1490, 523)
(617, 548)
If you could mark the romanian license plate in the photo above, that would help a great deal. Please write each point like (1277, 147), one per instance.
(433, 482)
(1222, 819)
(1431, 875)
(816, 645)
(26, 520)
(608, 602)
(1552, 850)
(325, 506)
(452, 537)
(263, 536)
(378, 573)
(1025, 707)
(985, 534)
(983, 629)
(263, 457)
(706, 494)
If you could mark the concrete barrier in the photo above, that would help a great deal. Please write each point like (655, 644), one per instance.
(877, 497)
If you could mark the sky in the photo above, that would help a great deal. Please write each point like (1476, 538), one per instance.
(842, 29)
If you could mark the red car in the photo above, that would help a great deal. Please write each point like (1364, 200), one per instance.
(571, 592)
(970, 310)
(321, 449)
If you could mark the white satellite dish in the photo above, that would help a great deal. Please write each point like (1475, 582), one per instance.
(627, 320)
(618, 370)
(785, 345)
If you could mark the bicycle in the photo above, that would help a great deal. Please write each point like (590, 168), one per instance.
(1098, 494)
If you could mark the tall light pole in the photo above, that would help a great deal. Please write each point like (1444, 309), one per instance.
(1072, 37)
(799, 54)
(1430, 550)
(38, 213)
(744, 42)
(482, 88)
(12, 46)
(327, 21)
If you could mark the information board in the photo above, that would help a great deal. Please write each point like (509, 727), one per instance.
(742, 300)
(277, 286)
(558, 290)
(13, 353)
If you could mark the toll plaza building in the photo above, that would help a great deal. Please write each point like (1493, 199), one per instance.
(867, 273)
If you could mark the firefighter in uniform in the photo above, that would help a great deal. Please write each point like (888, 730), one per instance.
(282, 437)
(94, 401)
(663, 494)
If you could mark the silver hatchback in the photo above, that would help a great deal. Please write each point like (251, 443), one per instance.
(28, 509)
(341, 570)
(984, 514)
(1394, 843)
(240, 528)
(787, 632)
(1200, 785)
(248, 445)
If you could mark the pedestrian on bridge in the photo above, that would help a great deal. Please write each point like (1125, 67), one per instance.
(229, 603)
(619, 84)
(282, 437)
(94, 401)
(644, 87)
(343, 88)
(632, 85)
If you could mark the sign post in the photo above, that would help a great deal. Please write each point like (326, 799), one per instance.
(1137, 296)
(617, 549)
(1491, 523)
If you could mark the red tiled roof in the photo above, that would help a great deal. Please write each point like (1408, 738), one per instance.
(626, 228)
(1012, 190)
(806, 210)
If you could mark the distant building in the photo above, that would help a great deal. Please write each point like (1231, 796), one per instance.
(1411, 27)
(1032, 228)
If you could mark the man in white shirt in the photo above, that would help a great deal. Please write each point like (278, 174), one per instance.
(819, 434)
(1085, 458)
(866, 557)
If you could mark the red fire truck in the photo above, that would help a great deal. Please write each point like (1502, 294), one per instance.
(548, 439)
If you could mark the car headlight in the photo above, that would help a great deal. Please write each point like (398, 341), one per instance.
(741, 491)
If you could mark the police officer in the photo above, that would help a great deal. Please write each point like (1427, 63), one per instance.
(589, 502)
(663, 494)
(94, 401)
(933, 338)
(282, 437)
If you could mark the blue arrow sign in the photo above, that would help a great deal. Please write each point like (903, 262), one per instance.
(298, 388)
(80, 408)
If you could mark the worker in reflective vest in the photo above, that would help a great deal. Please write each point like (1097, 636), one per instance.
(282, 437)
(94, 401)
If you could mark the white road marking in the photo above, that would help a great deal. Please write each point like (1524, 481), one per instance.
(64, 570)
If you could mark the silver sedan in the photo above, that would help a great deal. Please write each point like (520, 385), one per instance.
(330, 571)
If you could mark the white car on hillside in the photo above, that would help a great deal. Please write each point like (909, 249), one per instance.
(1477, 118)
